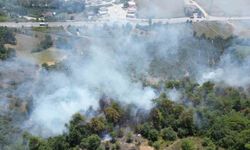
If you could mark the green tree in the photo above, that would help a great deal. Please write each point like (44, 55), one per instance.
(153, 135)
(114, 113)
(58, 142)
(157, 118)
(91, 143)
(231, 131)
(97, 125)
(77, 130)
(186, 121)
(36, 143)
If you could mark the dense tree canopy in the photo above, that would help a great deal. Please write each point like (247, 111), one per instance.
(218, 115)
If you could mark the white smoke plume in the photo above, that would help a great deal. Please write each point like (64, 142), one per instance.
(228, 8)
(61, 95)
(114, 67)
(229, 72)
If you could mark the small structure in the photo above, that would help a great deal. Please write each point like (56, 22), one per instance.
(43, 24)
(131, 12)
(131, 15)
(48, 14)
(102, 11)
(96, 3)
(131, 4)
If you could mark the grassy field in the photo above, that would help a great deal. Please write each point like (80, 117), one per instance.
(226, 7)
(26, 43)
(48, 29)
(3, 18)
(177, 144)
(160, 8)
(213, 29)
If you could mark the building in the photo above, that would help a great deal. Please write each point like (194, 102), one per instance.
(131, 11)
(96, 3)
(131, 4)
(103, 11)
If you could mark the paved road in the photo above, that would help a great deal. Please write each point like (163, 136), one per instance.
(121, 22)
(192, 2)
(133, 22)
(94, 23)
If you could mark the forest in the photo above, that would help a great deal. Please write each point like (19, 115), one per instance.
(216, 114)
(185, 113)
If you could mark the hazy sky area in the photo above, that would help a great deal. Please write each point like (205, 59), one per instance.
(160, 8)
(226, 7)
(175, 8)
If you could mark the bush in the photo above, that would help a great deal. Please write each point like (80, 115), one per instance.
(116, 146)
(7, 53)
(58, 143)
(187, 145)
(182, 132)
(153, 135)
(91, 143)
(247, 146)
(207, 142)
(168, 134)
(129, 138)
(157, 145)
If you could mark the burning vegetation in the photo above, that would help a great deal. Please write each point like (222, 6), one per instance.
(124, 87)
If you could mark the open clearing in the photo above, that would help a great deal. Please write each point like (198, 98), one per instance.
(26, 43)
(227, 8)
(160, 8)
(213, 29)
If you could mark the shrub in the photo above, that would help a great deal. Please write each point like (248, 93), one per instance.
(129, 138)
(157, 145)
(187, 145)
(153, 135)
(91, 143)
(168, 134)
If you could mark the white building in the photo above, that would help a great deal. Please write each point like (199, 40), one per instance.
(131, 4)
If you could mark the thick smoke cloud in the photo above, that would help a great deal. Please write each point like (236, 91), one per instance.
(113, 67)
(16, 77)
(227, 8)
(230, 72)
(100, 72)
(160, 8)
(116, 67)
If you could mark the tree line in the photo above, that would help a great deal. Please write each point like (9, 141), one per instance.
(219, 115)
